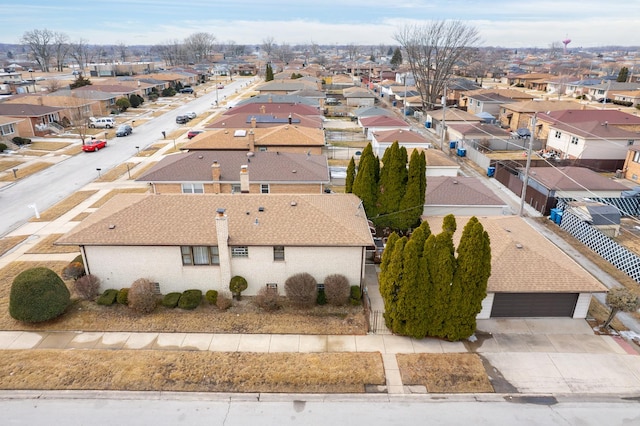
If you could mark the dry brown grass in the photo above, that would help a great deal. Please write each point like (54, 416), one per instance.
(76, 149)
(25, 171)
(141, 168)
(150, 150)
(49, 146)
(9, 164)
(80, 217)
(445, 373)
(64, 206)
(109, 195)
(45, 246)
(204, 371)
(115, 172)
(7, 243)
(175, 149)
(33, 153)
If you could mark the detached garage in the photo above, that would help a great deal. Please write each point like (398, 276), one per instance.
(530, 276)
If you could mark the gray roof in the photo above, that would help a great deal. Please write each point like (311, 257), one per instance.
(459, 191)
(279, 99)
(27, 110)
(263, 167)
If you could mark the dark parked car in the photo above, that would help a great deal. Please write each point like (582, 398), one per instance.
(124, 130)
(181, 119)
(187, 90)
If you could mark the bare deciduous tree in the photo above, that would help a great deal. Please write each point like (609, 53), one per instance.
(620, 299)
(80, 53)
(39, 44)
(432, 50)
(122, 51)
(284, 53)
(172, 52)
(60, 49)
(200, 46)
(268, 46)
(352, 51)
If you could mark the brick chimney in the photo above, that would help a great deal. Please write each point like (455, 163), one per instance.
(244, 179)
(254, 123)
(252, 141)
(222, 234)
(215, 174)
(263, 109)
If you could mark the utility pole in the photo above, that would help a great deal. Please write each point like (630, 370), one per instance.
(525, 181)
(444, 123)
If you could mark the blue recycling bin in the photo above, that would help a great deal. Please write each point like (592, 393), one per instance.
(491, 171)
(453, 144)
(427, 124)
(462, 152)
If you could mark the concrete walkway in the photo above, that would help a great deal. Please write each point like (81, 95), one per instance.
(533, 356)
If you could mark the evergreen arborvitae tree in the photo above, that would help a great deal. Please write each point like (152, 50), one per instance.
(441, 267)
(449, 224)
(351, 175)
(469, 286)
(268, 73)
(365, 184)
(386, 255)
(392, 185)
(623, 75)
(396, 59)
(408, 311)
(392, 279)
(412, 204)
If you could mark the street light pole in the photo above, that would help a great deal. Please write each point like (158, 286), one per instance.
(444, 123)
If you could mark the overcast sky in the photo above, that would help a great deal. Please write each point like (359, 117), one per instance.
(588, 23)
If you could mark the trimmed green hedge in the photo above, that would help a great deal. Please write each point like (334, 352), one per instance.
(211, 296)
(170, 300)
(190, 299)
(108, 298)
(123, 296)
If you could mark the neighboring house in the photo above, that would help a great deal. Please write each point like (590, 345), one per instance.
(285, 87)
(383, 139)
(186, 242)
(512, 94)
(9, 128)
(575, 118)
(592, 140)
(632, 96)
(484, 135)
(279, 99)
(440, 164)
(547, 184)
(530, 276)
(436, 118)
(282, 138)
(631, 168)
(35, 120)
(371, 112)
(359, 97)
(242, 120)
(486, 103)
(533, 81)
(76, 110)
(518, 115)
(605, 90)
(461, 196)
(227, 172)
(379, 123)
(269, 107)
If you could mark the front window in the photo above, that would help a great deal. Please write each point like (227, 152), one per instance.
(200, 255)
(235, 188)
(7, 129)
(574, 140)
(192, 188)
(558, 134)
(278, 253)
(264, 188)
(240, 251)
(636, 157)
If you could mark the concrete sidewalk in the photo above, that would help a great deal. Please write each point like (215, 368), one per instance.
(531, 356)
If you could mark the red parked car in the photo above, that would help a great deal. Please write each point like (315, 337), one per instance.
(193, 133)
(94, 145)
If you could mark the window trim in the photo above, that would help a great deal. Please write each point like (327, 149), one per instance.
(278, 253)
(192, 188)
(187, 253)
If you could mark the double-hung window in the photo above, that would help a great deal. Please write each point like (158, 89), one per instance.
(278, 253)
(192, 188)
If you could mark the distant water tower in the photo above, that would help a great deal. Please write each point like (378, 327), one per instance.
(566, 41)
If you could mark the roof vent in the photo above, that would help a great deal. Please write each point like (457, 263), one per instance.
(518, 245)
(293, 204)
(455, 182)
(112, 227)
(200, 157)
(256, 222)
(294, 171)
(260, 209)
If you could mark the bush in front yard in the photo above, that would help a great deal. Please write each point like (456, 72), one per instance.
(38, 294)
(87, 286)
(211, 296)
(123, 296)
(108, 297)
(2, 147)
(190, 299)
(73, 271)
(337, 289)
(170, 300)
(301, 289)
(268, 299)
(224, 302)
(356, 295)
(237, 285)
(142, 297)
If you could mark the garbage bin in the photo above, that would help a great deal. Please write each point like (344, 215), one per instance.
(491, 171)
(453, 144)
(427, 124)
(462, 152)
